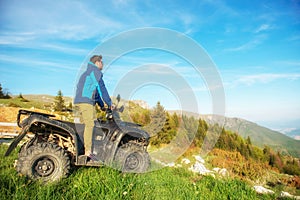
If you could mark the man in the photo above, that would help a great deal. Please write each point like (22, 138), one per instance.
(90, 89)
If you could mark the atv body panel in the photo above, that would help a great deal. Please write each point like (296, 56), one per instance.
(107, 135)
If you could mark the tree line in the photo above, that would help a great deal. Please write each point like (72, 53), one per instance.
(163, 127)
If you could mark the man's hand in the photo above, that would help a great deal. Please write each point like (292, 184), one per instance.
(109, 114)
(113, 106)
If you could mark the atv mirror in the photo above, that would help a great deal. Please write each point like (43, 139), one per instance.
(121, 109)
(118, 98)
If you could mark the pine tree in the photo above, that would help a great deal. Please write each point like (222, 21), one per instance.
(201, 132)
(59, 102)
(248, 141)
(1, 92)
(175, 120)
(162, 127)
(3, 95)
(166, 134)
(20, 96)
(158, 118)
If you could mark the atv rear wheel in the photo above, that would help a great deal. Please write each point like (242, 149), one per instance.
(44, 161)
(132, 157)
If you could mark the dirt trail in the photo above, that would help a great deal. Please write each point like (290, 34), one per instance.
(9, 114)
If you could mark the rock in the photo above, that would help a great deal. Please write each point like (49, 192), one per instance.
(199, 168)
(198, 158)
(172, 164)
(262, 190)
(185, 161)
(222, 172)
(216, 169)
(286, 194)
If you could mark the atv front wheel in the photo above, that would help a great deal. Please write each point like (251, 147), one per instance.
(132, 157)
(44, 161)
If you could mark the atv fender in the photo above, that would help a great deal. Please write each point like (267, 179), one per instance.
(16, 141)
(133, 130)
(36, 118)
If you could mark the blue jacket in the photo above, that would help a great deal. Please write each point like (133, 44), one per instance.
(91, 88)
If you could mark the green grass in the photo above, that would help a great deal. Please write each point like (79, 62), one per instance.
(17, 102)
(107, 183)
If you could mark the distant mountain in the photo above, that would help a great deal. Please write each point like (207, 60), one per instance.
(293, 133)
(259, 135)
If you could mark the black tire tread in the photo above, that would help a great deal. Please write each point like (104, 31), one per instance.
(27, 157)
(125, 150)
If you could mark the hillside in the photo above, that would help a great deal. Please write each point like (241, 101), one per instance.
(44, 98)
(232, 153)
(293, 133)
(259, 135)
(107, 183)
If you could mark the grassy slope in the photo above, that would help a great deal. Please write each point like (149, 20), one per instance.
(36, 101)
(44, 98)
(17, 102)
(106, 183)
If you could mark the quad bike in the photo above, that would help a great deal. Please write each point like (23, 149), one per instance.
(57, 145)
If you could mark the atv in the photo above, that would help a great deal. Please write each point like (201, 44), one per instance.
(57, 146)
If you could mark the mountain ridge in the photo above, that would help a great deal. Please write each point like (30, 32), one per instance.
(259, 135)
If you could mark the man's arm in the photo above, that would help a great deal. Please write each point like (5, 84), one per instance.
(103, 91)
(98, 99)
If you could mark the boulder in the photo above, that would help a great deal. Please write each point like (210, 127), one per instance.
(222, 172)
(199, 168)
(172, 164)
(286, 194)
(261, 190)
(216, 169)
(199, 159)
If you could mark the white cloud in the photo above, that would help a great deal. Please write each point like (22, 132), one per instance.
(264, 78)
(295, 63)
(249, 45)
(78, 20)
(263, 27)
(30, 43)
(55, 66)
(8, 38)
(222, 7)
(72, 20)
(65, 49)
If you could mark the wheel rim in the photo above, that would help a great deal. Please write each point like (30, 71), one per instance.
(132, 161)
(44, 167)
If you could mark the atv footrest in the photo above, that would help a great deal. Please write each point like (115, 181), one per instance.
(82, 160)
(94, 163)
(85, 161)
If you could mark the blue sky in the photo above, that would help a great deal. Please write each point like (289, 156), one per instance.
(254, 44)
